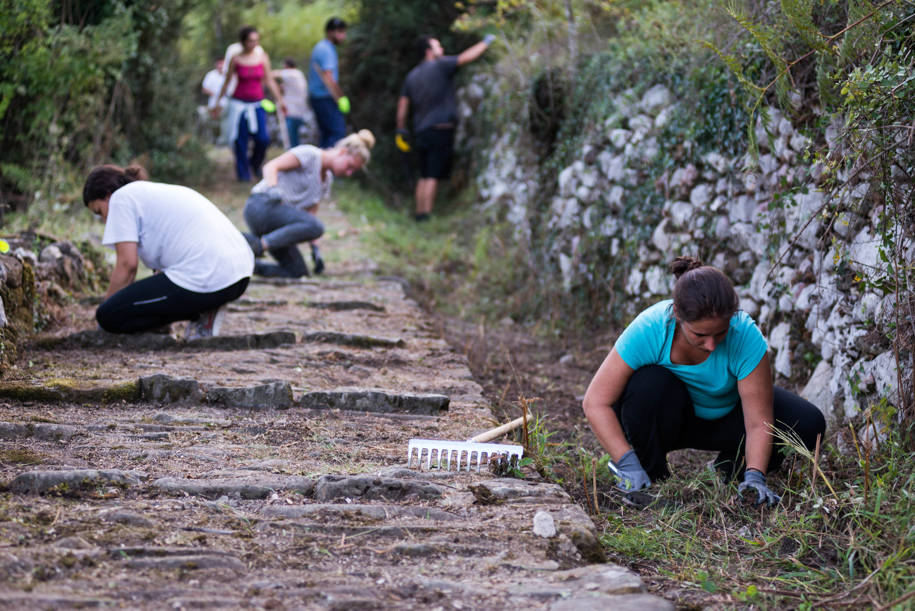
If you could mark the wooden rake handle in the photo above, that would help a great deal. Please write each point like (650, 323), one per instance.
(498, 431)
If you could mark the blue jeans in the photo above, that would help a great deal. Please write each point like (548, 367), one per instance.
(330, 121)
(292, 127)
(283, 227)
(244, 164)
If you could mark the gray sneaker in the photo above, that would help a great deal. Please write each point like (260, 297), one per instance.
(206, 325)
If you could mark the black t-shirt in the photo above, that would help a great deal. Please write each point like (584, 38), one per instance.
(430, 88)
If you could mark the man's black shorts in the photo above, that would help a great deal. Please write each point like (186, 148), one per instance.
(435, 150)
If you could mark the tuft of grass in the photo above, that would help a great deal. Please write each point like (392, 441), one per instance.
(827, 545)
(21, 456)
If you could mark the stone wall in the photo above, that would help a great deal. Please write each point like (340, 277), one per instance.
(796, 252)
(33, 287)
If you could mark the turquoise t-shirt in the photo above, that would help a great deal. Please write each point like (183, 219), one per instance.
(712, 384)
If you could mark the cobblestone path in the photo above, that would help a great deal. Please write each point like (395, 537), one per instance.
(266, 468)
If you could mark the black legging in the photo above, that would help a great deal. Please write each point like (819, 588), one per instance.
(657, 416)
(156, 301)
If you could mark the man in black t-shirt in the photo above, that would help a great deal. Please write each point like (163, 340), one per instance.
(429, 92)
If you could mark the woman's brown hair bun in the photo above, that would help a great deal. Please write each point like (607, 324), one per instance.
(702, 291)
(683, 264)
(136, 172)
(103, 180)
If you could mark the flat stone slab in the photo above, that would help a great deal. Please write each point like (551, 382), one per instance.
(619, 602)
(68, 391)
(176, 558)
(357, 511)
(161, 388)
(367, 487)
(97, 339)
(236, 487)
(276, 395)
(517, 490)
(44, 431)
(369, 400)
(604, 578)
(342, 306)
(19, 600)
(122, 516)
(248, 341)
(71, 481)
(354, 340)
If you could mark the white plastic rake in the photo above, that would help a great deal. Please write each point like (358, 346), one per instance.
(442, 454)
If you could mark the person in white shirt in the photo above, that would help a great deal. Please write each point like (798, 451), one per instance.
(201, 261)
(295, 90)
(212, 82)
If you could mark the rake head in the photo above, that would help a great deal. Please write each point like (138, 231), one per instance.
(442, 454)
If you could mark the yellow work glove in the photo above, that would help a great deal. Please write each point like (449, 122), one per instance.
(401, 140)
(343, 105)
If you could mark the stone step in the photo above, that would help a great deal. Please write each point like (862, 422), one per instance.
(98, 340)
(73, 481)
(353, 340)
(374, 400)
(253, 487)
(342, 306)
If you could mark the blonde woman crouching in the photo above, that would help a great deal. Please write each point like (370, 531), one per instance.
(281, 209)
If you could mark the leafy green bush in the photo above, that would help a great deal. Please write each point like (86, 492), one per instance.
(90, 82)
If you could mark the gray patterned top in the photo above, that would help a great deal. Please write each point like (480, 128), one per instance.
(302, 187)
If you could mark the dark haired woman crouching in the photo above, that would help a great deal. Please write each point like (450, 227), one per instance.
(204, 260)
(693, 372)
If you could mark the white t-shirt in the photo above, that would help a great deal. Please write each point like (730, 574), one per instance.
(213, 82)
(180, 232)
(294, 91)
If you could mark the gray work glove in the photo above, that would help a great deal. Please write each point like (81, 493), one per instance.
(756, 480)
(630, 473)
(274, 192)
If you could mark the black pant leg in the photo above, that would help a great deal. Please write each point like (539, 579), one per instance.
(792, 413)
(728, 434)
(156, 301)
(652, 410)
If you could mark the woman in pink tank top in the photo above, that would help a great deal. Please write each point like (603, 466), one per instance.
(248, 119)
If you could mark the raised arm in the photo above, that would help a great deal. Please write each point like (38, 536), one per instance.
(605, 389)
(125, 267)
(756, 398)
(472, 53)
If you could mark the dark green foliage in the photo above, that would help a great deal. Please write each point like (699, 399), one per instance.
(547, 106)
(378, 54)
(88, 82)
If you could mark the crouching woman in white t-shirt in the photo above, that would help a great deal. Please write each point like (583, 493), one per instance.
(203, 259)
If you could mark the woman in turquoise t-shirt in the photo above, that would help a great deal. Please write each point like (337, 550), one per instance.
(693, 372)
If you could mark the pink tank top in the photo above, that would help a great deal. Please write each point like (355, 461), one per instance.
(249, 88)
